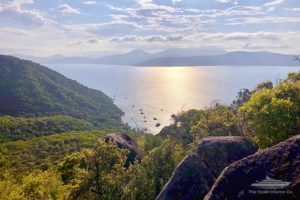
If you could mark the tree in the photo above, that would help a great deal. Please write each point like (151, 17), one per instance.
(95, 173)
(161, 162)
(242, 97)
(217, 121)
(273, 114)
(263, 85)
(38, 186)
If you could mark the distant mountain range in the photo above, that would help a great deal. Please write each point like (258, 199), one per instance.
(176, 57)
(239, 58)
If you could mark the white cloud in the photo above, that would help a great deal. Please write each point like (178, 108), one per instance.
(89, 2)
(271, 9)
(235, 2)
(66, 9)
(14, 14)
(274, 3)
(14, 31)
(293, 9)
(149, 39)
(223, 1)
(18, 3)
(262, 20)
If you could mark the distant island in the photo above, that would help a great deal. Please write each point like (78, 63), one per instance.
(177, 57)
(238, 58)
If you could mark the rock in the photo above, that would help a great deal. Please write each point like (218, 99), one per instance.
(280, 162)
(196, 173)
(126, 142)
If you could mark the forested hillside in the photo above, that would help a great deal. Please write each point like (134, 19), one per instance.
(30, 90)
(17, 128)
(46, 154)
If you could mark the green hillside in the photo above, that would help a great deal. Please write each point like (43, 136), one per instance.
(17, 128)
(31, 90)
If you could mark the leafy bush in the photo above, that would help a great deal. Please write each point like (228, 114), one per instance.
(272, 115)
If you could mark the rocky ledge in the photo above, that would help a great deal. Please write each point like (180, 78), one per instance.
(197, 172)
(126, 142)
(276, 166)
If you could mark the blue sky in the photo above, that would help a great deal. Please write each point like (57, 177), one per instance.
(81, 27)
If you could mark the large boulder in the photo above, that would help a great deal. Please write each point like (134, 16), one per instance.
(197, 172)
(126, 142)
(280, 162)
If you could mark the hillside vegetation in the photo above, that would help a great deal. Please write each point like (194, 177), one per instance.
(17, 128)
(31, 90)
(50, 160)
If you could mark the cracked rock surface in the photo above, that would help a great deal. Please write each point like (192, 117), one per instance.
(197, 172)
(280, 162)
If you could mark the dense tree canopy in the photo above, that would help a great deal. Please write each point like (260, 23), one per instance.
(17, 128)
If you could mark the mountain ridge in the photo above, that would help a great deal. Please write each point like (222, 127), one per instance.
(176, 57)
(29, 89)
(236, 58)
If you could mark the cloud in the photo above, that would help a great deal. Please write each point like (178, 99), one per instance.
(66, 9)
(149, 39)
(14, 31)
(93, 41)
(169, 19)
(227, 1)
(262, 20)
(237, 36)
(274, 3)
(89, 2)
(82, 42)
(14, 14)
(18, 3)
(293, 9)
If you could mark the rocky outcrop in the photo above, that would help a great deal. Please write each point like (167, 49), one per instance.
(197, 172)
(280, 162)
(126, 142)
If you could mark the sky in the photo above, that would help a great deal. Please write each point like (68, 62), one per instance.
(91, 27)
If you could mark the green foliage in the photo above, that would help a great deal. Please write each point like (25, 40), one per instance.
(149, 142)
(242, 97)
(138, 184)
(263, 85)
(217, 121)
(29, 89)
(273, 115)
(161, 162)
(180, 130)
(3, 161)
(12, 128)
(293, 77)
(195, 124)
(42, 186)
(44, 152)
(100, 173)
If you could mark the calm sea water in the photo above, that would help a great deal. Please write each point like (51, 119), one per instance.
(144, 93)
